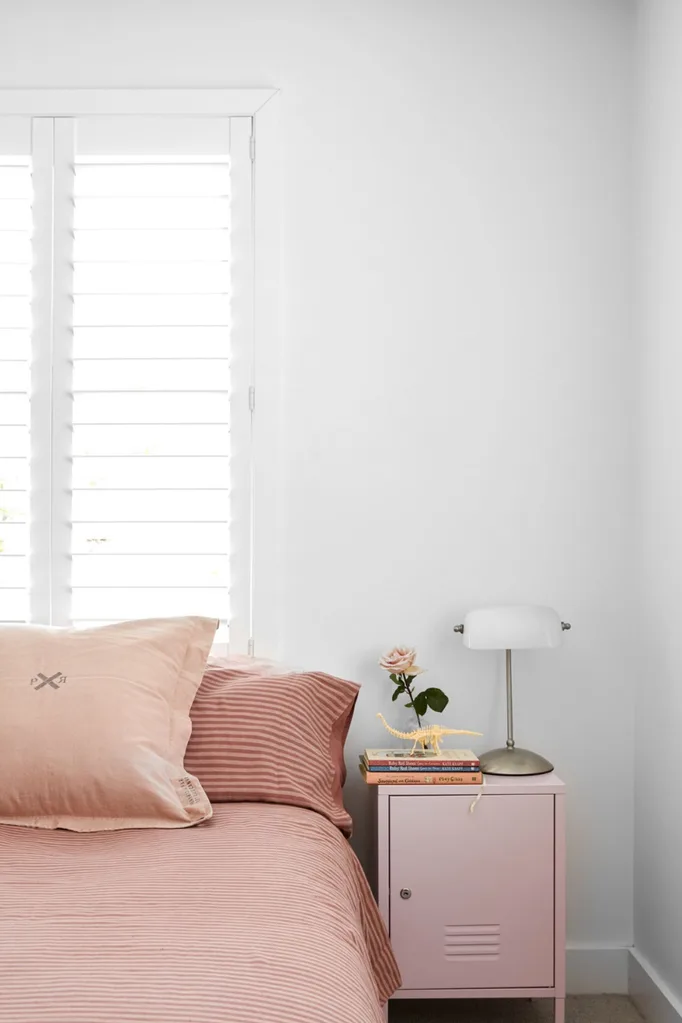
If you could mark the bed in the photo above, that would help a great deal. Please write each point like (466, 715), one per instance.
(260, 915)
(173, 837)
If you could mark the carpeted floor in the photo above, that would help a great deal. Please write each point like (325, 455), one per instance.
(579, 1009)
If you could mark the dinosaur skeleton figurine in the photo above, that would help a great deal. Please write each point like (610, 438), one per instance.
(429, 735)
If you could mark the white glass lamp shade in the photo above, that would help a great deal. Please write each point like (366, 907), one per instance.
(515, 627)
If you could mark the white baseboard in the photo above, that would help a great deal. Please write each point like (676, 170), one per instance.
(652, 996)
(597, 970)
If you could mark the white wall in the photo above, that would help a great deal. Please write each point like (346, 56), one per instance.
(658, 805)
(456, 361)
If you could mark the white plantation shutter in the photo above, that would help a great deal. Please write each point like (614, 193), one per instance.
(15, 265)
(151, 437)
(140, 422)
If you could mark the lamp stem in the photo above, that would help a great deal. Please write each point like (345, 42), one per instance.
(510, 703)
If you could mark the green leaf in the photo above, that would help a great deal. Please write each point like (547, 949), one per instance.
(394, 678)
(420, 703)
(436, 699)
(396, 694)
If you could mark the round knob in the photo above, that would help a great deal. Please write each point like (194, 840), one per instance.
(405, 893)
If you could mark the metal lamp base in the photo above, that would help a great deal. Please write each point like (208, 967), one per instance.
(514, 761)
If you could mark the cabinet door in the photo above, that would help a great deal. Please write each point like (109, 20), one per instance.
(481, 909)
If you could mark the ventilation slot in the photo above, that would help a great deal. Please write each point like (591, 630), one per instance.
(472, 942)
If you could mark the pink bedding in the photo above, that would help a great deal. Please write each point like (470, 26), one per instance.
(261, 915)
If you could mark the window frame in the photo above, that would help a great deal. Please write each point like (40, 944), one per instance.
(249, 602)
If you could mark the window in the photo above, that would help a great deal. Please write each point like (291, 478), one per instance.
(126, 299)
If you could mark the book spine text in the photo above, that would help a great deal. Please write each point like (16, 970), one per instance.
(422, 778)
(432, 768)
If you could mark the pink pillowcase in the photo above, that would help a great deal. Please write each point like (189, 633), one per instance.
(94, 724)
(275, 738)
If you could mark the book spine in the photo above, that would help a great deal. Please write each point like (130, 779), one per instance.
(450, 766)
(416, 762)
(384, 778)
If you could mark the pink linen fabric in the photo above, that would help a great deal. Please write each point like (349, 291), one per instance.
(94, 724)
(261, 915)
(274, 738)
(247, 664)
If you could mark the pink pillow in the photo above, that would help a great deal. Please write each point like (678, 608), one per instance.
(272, 739)
(245, 664)
(94, 724)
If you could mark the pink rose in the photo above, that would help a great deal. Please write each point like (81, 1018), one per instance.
(400, 661)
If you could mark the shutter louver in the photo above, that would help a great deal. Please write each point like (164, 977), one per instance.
(151, 441)
(15, 316)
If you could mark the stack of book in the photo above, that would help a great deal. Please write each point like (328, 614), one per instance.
(420, 767)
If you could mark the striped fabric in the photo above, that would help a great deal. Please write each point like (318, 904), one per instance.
(272, 739)
(261, 915)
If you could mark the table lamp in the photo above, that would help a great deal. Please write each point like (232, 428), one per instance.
(520, 627)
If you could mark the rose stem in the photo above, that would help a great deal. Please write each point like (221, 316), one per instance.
(408, 690)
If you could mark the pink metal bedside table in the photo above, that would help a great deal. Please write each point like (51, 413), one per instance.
(474, 900)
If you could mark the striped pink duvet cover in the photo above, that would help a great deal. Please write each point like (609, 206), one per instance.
(261, 915)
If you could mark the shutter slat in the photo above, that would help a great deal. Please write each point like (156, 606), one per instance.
(149, 538)
(161, 570)
(15, 183)
(161, 214)
(14, 344)
(149, 342)
(15, 215)
(14, 440)
(156, 180)
(148, 472)
(13, 506)
(13, 570)
(149, 408)
(13, 604)
(172, 245)
(14, 538)
(15, 278)
(13, 474)
(151, 374)
(15, 311)
(149, 277)
(14, 410)
(117, 603)
(13, 377)
(15, 247)
(151, 505)
(152, 310)
(151, 440)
